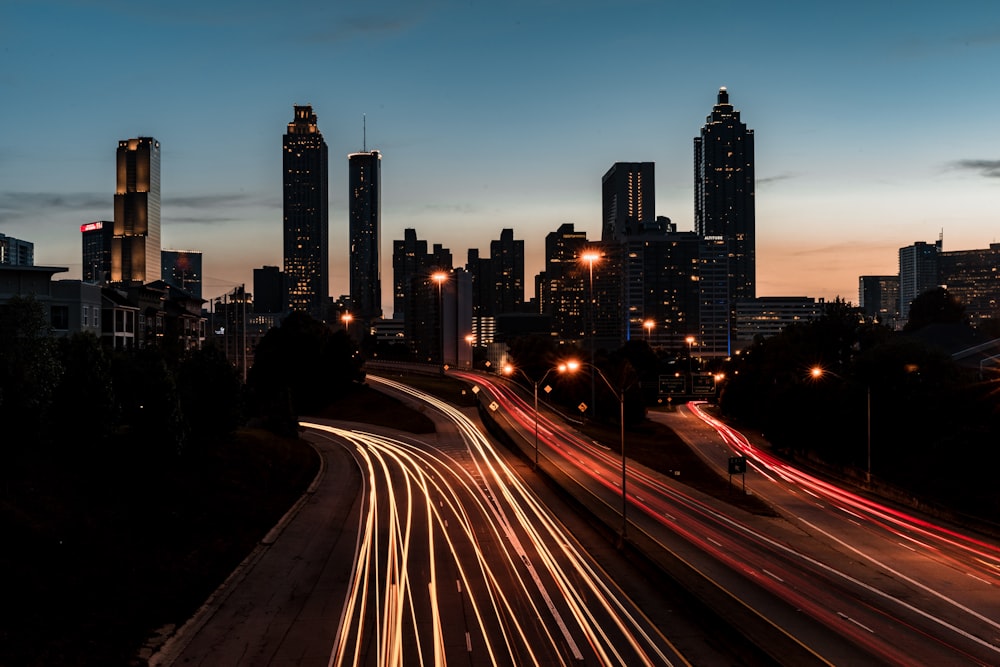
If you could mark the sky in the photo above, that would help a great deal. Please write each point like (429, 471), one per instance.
(875, 121)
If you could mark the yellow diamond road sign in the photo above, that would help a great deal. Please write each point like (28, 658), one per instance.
(582, 407)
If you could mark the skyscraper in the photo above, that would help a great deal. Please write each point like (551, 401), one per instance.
(306, 214)
(724, 193)
(918, 272)
(507, 264)
(628, 200)
(96, 239)
(365, 187)
(135, 239)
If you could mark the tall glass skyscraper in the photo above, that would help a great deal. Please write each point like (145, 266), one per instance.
(306, 214)
(365, 188)
(135, 239)
(724, 193)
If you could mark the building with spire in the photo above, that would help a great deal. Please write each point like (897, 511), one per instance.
(305, 194)
(724, 213)
(364, 192)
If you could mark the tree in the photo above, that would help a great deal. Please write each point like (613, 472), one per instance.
(210, 393)
(84, 399)
(935, 306)
(300, 367)
(29, 370)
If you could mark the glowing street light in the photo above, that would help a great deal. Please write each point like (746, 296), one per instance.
(690, 341)
(561, 368)
(818, 372)
(470, 339)
(346, 319)
(440, 277)
(648, 326)
(591, 256)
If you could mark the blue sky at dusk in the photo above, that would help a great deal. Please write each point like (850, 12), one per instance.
(875, 122)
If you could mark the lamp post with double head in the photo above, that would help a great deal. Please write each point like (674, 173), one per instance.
(561, 368)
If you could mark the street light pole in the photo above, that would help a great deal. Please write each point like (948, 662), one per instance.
(439, 277)
(818, 372)
(620, 394)
(591, 257)
(868, 475)
(508, 369)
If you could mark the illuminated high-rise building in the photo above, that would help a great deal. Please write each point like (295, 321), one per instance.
(306, 214)
(96, 239)
(135, 238)
(365, 185)
(724, 193)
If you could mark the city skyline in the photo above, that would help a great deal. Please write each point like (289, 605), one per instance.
(872, 128)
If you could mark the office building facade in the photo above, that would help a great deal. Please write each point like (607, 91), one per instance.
(628, 200)
(878, 298)
(918, 272)
(135, 239)
(364, 192)
(15, 252)
(182, 269)
(724, 193)
(96, 246)
(973, 277)
(305, 196)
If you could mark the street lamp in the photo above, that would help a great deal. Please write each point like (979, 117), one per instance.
(620, 395)
(648, 326)
(590, 257)
(440, 277)
(470, 339)
(346, 319)
(818, 372)
(562, 368)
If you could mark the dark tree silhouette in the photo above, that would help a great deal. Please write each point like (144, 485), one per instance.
(300, 367)
(84, 400)
(935, 306)
(29, 370)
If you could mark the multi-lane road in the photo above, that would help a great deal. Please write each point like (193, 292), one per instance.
(838, 579)
(422, 550)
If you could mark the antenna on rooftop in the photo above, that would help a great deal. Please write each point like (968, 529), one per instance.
(364, 133)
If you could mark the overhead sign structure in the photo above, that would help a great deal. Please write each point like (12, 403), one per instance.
(672, 385)
(703, 384)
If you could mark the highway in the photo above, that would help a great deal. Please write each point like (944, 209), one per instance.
(835, 581)
(425, 550)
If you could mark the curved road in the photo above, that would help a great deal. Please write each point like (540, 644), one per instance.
(873, 590)
(426, 550)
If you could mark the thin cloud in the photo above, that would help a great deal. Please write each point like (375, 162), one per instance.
(986, 168)
(362, 26)
(768, 180)
(20, 205)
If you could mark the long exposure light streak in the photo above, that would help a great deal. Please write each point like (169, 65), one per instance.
(822, 590)
(507, 550)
